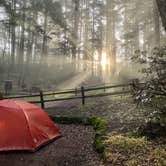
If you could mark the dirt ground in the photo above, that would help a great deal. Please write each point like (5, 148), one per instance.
(122, 113)
(75, 148)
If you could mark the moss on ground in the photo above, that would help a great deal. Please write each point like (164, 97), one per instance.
(68, 120)
(130, 151)
(127, 144)
(98, 124)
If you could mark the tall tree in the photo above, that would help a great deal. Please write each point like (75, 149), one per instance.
(75, 26)
(44, 43)
(13, 32)
(162, 8)
(110, 30)
(157, 24)
(22, 40)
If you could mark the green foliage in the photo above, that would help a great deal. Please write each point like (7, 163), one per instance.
(99, 144)
(153, 92)
(68, 120)
(99, 124)
(155, 71)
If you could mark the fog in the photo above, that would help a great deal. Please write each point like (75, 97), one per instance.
(45, 43)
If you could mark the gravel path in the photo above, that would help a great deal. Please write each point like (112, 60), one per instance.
(75, 148)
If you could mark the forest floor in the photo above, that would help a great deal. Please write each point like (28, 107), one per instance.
(122, 146)
(75, 148)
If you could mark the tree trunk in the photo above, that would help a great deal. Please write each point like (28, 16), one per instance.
(108, 28)
(110, 33)
(22, 41)
(13, 35)
(157, 24)
(75, 28)
(86, 48)
(162, 9)
(44, 44)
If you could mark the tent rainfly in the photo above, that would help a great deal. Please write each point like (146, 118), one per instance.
(24, 126)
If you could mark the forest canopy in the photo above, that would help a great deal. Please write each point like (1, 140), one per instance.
(79, 27)
(103, 31)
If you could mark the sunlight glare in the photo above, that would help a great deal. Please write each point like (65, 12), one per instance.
(104, 60)
(96, 56)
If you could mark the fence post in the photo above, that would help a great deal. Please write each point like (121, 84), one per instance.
(123, 89)
(83, 95)
(75, 91)
(41, 99)
(1, 96)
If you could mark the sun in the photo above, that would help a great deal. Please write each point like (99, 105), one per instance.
(104, 60)
(96, 56)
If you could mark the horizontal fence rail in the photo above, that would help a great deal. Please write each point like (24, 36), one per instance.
(74, 94)
(107, 87)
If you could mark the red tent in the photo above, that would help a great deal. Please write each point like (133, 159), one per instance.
(24, 126)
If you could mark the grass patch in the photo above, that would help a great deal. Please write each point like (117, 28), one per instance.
(130, 151)
(127, 144)
(158, 156)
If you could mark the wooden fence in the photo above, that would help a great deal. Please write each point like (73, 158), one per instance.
(75, 94)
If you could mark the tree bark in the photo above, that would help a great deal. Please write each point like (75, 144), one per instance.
(86, 48)
(44, 44)
(162, 9)
(157, 24)
(75, 28)
(22, 41)
(110, 32)
(13, 35)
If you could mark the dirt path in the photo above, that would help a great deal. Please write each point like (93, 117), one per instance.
(75, 148)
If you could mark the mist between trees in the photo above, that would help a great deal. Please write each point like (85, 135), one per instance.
(69, 31)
